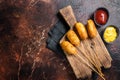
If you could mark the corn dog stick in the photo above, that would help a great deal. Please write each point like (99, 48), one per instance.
(83, 35)
(92, 59)
(70, 49)
(72, 37)
(92, 32)
(98, 68)
(90, 66)
(96, 58)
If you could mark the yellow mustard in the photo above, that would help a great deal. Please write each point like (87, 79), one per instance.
(110, 34)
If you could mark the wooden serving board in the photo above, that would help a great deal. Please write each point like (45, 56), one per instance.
(89, 46)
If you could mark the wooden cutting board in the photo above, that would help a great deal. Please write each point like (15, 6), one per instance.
(89, 46)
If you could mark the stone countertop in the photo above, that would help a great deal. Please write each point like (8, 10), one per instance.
(24, 26)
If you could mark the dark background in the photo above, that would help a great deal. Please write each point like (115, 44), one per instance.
(24, 26)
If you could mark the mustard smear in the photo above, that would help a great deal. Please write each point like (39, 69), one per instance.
(110, 34)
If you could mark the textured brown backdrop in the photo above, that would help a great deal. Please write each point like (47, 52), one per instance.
(24, 25)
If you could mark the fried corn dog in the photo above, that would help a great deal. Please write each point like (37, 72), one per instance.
(72, 37)
(81, 30)
(68, 47)
(92, 31)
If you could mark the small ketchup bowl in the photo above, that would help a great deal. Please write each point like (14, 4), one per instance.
(101, 16)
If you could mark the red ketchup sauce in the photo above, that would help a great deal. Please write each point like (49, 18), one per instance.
(101, 17)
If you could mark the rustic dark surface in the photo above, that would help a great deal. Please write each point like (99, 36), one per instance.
(24, 25)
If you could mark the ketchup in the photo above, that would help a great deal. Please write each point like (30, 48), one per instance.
(101, 17)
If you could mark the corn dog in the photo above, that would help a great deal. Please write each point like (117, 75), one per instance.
(81, 30)
(92, 32)
(68, 47)
(72, 37)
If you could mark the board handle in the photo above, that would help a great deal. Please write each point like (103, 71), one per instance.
(68, 15)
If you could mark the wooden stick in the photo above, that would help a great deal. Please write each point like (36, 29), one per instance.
(84, 70)
(90, 66)
(92, 59)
